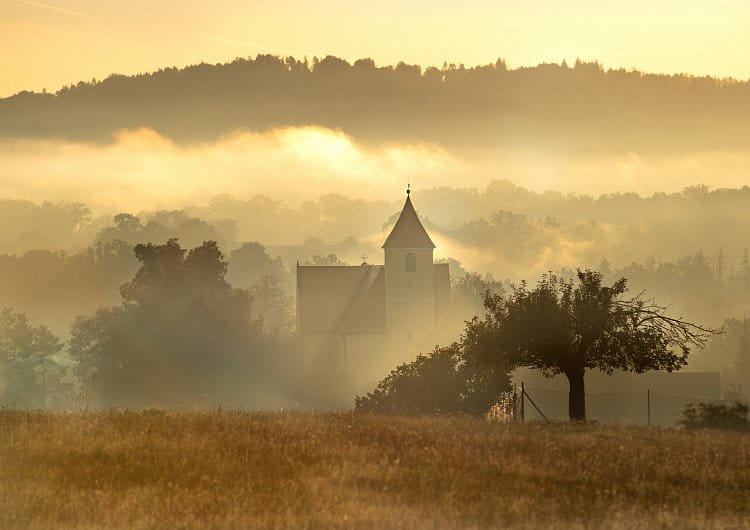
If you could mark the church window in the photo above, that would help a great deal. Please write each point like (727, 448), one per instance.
(411, 262)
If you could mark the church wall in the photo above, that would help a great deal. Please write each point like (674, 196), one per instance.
(409, 296)
(390, 312)
(370, 358)
(410, 321)
(364, 358)
(320, 348)
(400, 284)
(345, 352)
(367, 359)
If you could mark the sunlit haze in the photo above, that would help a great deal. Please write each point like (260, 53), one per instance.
(374, 264)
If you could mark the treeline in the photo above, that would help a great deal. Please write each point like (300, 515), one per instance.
(163, 325)
(456, 106)
(688, 249)
(55, 286)
(25, 225)
(690, 246)
(202, 328)
(504, 229)
(179, 335)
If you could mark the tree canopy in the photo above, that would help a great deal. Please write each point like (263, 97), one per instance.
(568, 327)
(456, 106)
(448, 380)
(181, 335)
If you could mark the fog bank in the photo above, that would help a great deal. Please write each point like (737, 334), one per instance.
(142, 170)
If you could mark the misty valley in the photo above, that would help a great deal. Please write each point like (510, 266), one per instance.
(68, 269)
(317, 291)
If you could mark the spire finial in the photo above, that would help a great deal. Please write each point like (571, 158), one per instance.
(408, 188)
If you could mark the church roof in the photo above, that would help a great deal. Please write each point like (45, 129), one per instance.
(408, 231)
(341, 299)
(351, 299)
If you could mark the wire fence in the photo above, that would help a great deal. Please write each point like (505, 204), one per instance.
(638, 407)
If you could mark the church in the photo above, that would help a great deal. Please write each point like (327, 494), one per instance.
(371, 317)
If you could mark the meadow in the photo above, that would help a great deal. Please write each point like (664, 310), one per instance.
(230, 469)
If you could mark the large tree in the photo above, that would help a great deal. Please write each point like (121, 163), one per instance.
(181, 335)
(568, 327)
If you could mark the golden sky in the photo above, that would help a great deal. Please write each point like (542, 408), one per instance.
(49, 43)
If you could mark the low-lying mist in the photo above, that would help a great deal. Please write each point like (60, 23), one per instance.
(142, 170)
(72, 212)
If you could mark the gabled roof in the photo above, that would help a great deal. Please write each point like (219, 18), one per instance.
(351, 299)
(408, 231)
(341, 299)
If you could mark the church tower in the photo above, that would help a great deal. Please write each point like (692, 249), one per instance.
(409, 277)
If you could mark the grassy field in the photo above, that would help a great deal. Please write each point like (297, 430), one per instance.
(159, 469)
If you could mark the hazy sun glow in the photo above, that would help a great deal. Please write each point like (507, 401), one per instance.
(143, 170)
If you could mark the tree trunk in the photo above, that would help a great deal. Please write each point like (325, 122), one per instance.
(576, 395)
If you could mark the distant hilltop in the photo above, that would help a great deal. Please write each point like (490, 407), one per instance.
(582, 107)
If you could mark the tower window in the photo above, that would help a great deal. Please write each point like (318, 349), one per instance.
(411, 262)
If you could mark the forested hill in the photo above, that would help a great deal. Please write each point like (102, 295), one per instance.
(582, 107)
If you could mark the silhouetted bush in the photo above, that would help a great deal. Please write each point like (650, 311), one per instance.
(442, 381)
(716, 416)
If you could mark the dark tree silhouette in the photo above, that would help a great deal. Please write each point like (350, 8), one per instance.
(456, 106)
(429, 384)
(568, 327)
(449, 379)
(716, 416)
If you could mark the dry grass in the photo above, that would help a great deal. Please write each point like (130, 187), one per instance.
(229, 469)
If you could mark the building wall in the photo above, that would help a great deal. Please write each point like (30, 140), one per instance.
(355, 362)
(362, 359)
(409, 296)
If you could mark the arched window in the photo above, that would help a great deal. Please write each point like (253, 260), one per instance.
(411, 262)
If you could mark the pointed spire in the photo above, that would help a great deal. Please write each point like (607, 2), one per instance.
(408, 231)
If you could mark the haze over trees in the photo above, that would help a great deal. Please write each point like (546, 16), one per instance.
(688, 249)
(699, 263)
(454, 106)
(182, 334)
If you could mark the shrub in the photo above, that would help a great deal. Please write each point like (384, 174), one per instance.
(439, 382)
(716, 416)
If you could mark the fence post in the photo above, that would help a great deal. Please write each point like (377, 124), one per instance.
(648, 405)
(523, 392)
(535, 406)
